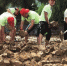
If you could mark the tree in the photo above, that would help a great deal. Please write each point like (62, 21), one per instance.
(58, 10)
(39, 10)
(17, 3)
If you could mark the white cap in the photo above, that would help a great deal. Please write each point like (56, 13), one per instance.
(65, 14)
(12, 10)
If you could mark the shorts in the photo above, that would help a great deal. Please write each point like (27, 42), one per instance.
(34, 28)
(65, 28)
(43, 28)
(18, 25)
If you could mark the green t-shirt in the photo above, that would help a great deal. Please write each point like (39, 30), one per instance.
(3, 18)
(12, 10)
(47, 8)
(32, 16)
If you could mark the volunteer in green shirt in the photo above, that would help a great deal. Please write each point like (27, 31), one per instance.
(32, 17)
(8, 20)
(44, 22)
(13, 11)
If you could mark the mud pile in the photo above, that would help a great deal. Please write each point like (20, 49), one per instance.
(31, 54)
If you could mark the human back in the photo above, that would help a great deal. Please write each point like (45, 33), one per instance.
(32, 15)
(3, 18)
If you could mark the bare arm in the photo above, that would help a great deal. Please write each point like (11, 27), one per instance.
(21, 25)
(32, 24)
(46, 17)
(3, 34)
(2, 30)
(12, 34)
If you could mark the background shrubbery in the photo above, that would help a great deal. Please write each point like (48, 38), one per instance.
(58, 9)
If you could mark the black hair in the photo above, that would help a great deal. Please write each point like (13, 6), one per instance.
(15, 9)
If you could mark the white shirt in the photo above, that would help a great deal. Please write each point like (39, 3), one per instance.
(65, 14)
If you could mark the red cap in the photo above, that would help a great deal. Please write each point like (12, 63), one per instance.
(10, 21)
(24, 11)
(27, 10)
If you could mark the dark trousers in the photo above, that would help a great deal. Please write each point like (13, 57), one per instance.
(34, 28)
(43, 28)
(65, 28)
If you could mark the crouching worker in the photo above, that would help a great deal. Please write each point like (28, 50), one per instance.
(13, 10)
(32, 17)
(9, 21)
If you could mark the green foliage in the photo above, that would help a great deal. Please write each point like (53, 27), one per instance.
(15, 3)
(39, 10)
(20, 8)
(57, 13)
(43, 1)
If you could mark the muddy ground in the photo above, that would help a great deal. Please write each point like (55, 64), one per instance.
(33, 55)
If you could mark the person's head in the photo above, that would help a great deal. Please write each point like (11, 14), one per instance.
(10, 21)
(24, 12)
(16, 11)
(51, 2)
